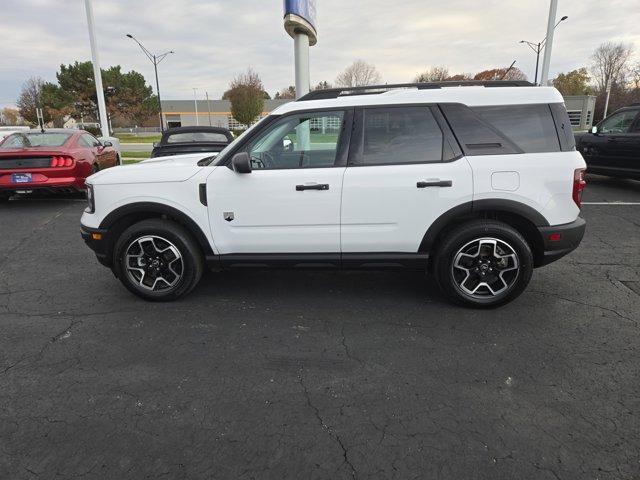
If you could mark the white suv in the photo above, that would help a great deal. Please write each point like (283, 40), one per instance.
(475, 182)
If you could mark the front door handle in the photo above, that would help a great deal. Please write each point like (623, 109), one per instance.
(434, 183)
(314, 186)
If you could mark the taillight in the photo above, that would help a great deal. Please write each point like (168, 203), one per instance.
(60, 161)
(578, 186)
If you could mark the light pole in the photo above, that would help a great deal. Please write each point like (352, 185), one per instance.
(606, 103)
(208, 107)
(537, 48)
(195, 103)
(155, 59)
(97, 73)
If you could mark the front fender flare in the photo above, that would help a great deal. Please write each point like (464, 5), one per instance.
(159, 209)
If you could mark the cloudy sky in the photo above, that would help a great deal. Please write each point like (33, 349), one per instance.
(216, 39)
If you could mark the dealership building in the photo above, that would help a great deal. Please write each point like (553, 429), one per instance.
(217, 113)
(580, 109)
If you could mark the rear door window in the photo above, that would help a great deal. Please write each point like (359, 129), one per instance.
(530, 127)
(397, 135)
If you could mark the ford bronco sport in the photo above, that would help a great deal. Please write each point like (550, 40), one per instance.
(477, 183)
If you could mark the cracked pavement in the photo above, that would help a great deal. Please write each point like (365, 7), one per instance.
(317, 375)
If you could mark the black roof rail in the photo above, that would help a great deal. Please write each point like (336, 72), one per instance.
(376, 89)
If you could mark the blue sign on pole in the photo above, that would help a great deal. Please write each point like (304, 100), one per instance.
(300, 15)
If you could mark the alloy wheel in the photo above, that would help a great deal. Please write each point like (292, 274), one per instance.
(485, 268)
(154, 263)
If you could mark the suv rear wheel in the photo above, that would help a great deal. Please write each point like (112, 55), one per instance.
(158, 260)
(483, 264)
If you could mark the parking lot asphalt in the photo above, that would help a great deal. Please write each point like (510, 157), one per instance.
(317, 375)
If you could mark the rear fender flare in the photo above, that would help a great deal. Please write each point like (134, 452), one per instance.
(474, 209)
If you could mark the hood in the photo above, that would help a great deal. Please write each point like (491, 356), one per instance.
(177, 168)
(184, 159)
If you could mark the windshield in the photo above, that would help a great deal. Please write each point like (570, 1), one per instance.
(220, 158)
(35, 139)
(194, 137)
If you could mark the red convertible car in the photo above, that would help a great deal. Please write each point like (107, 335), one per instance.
(54, 160)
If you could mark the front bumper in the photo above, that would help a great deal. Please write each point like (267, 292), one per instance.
(96, 239)
(560, 240)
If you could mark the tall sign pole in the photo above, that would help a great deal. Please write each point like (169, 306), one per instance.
(300, 24)
(551, 26)
(97, 74)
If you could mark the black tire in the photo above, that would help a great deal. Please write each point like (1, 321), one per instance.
(165, 233)
(502, 281)
(4, 197)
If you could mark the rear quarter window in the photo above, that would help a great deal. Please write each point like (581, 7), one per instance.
(530, 127)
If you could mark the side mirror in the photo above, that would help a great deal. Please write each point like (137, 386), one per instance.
(594, 130)
(287, 144)
(241, 163)
(107, 143)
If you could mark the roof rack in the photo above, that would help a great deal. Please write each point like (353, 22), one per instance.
(377, 89)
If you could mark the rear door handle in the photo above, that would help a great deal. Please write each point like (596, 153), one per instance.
(314, 186)
(434, 183)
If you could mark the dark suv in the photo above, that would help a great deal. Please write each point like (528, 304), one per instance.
(613, 146)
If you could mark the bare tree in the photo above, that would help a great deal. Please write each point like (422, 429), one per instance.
(635, 76)
(609, 64)
(286, 93)
(324, 85)
(359, 74)
(434, 74)
(29, 99)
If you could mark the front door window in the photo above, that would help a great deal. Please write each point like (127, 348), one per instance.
(307, 140)
(618, 123)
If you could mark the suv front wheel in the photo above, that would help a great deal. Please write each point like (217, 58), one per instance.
(158, 260)
(484, 264)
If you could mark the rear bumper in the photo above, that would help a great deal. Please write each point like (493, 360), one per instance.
(559, 240)
(42, 181)
(96, 240)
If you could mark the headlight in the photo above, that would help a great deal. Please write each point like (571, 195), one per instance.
(91, 207)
